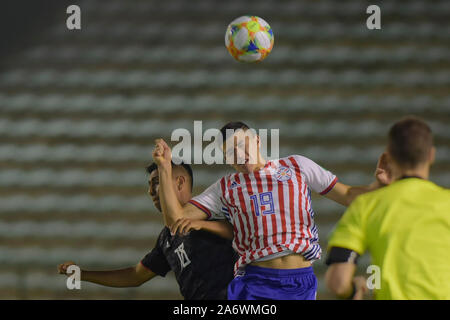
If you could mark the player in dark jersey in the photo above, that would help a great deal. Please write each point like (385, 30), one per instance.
(196, 257)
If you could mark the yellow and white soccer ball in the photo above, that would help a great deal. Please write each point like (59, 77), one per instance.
(249, 39)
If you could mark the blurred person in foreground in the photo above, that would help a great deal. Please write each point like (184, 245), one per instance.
(196, 257)
(405, 226)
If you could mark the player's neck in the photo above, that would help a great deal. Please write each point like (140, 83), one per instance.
(419, 172)
(261, 163)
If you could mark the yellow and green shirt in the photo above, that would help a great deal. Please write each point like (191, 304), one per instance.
(406, 228)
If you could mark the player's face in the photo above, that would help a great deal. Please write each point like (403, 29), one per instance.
(153, 188)
(241, 151)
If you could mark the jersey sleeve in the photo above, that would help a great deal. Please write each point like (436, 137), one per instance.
(350, 231)
(317, 178)
(210, 202)
(156, 261)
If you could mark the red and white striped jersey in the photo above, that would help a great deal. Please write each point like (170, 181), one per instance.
(270, 209)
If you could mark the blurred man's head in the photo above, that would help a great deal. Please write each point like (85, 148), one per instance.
(241, 147)
(410, 145)
(182, 179)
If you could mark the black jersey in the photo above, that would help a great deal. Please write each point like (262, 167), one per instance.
(202, 262)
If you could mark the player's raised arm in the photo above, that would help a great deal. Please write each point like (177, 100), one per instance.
(171, 208)
(122, 278)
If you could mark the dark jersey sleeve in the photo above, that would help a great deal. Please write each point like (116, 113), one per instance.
(155, 260)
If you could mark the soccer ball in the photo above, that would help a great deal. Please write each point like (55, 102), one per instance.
(249, 39)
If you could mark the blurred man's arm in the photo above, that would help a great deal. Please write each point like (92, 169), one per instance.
(221, 228)
(340, 280)
(345, 194)
(347, 242)
(339, 277)
(127, 277)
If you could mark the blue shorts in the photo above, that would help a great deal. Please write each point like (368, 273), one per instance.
(274, 284)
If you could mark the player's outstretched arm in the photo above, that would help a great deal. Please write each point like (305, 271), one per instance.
(170, 206)
(127, 277)
(221, 228)
(345, 194)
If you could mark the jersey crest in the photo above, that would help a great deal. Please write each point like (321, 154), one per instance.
(283, 173)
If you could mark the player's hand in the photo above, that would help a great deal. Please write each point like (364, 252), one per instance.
(162, 155)
(360, 288)
(183, 226)
(383, 172)
(62, 268)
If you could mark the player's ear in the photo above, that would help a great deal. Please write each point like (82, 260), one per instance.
(387, 156)
(180, 182)
(432, 155)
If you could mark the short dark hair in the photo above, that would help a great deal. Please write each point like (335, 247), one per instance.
(153, 166)
(410, 141)
(234, 125)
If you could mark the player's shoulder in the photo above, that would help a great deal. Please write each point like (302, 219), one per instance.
(437, 187)
(164, 234)
(422, 184)
(293, 158)
(225, 178)
(299, 158)
(299, 161)
(445, 190)
(163, 237)
(438, 191)
(382, 194)
(294, 162)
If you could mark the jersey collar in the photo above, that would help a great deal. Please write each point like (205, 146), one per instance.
(407, 177)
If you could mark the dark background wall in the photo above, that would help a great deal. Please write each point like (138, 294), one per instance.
(23, 21)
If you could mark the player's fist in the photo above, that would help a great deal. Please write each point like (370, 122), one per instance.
(162, 155)
(62, 268)
(383, 172)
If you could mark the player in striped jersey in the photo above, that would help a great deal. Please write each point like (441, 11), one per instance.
(269, 205)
